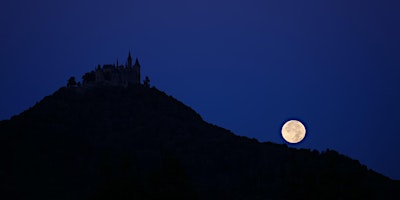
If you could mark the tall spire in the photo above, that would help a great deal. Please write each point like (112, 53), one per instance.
(129, 64)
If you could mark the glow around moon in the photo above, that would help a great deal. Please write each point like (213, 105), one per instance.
(293, 131)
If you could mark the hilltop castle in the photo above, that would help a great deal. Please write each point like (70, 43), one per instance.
(114, 74)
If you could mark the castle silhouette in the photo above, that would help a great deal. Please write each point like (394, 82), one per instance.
(114, 74)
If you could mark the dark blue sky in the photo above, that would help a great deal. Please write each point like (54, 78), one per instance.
(245, 65)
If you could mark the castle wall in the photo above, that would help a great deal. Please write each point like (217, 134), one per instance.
(116, 75)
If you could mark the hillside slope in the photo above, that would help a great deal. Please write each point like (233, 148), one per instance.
(139, 143)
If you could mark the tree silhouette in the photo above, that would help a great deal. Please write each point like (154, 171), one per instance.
(71, 82)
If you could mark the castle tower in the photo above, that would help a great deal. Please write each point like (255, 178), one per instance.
(136, 71)
(129, 64)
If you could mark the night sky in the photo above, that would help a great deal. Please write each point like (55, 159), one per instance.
(245, 65)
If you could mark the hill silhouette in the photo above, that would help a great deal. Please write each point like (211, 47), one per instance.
(136, 142)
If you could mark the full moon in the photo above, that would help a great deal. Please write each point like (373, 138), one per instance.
(293, 131)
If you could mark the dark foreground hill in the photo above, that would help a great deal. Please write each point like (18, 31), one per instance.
(139, 143)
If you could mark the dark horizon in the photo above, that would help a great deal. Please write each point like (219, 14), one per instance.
(247, 66)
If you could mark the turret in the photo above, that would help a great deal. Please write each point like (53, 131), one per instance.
(137, 62)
